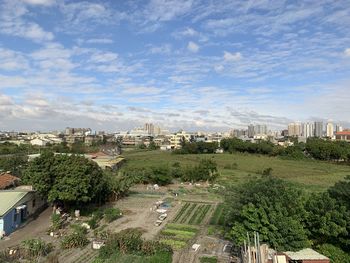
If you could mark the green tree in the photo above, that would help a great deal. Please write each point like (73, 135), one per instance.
(327, 219)
(335, 254)
(270, 206)
(70, 179)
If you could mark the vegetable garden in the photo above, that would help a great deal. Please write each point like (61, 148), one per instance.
(218, 217)
(177, 235)
(192, 213)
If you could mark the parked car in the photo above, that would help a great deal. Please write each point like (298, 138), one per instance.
(158, 222)
(162, 217)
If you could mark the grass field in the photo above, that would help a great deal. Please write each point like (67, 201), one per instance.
(236, 168)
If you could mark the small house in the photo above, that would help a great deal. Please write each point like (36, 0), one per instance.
(16, 207)
(7, 181)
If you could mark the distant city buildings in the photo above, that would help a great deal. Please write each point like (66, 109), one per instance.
(330, 130)
(318, 129)
(294, 129)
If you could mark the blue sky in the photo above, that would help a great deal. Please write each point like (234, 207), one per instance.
(191, 64)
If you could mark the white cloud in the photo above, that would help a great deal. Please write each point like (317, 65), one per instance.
(193, 47)
(39, 2)
(14, 23)
(141, 90)
(163, 49)
(347, 52)
(231, 57)
(166, 10)
(100, 41)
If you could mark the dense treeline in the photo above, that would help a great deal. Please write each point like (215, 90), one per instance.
(287, 218)
(205, 170)
(197, 147)
(316, 148)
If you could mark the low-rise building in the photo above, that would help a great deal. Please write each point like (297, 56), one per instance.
(16, 207)
(343, 136)
(7, 181)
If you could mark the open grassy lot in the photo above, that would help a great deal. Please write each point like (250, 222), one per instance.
(236, 168)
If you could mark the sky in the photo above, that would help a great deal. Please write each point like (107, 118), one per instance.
(209, 65)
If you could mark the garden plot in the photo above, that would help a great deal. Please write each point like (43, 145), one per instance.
(192, 213)
(178, 236)
(218, 217)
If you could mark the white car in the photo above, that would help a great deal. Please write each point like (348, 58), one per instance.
(162, 217)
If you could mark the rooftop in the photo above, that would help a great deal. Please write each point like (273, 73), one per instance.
(305, 254)
(343, 133)
(7, 180)
(9, 198)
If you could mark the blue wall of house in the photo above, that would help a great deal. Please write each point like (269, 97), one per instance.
(10, 224)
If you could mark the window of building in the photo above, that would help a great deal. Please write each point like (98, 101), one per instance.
(33, 204)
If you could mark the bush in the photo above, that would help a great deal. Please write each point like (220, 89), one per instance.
(93, 222)
(336, 254)
(112, 214)
(74, 240)
(56, 222)
(33, 248)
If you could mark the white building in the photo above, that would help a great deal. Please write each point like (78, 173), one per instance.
(294, 129)
(330, 130)
(308, 129)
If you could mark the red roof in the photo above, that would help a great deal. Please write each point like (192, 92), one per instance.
(7, 180)
(343, 133)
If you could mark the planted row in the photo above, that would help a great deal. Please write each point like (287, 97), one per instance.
(181, 212)
(188, 213)
(219, 216)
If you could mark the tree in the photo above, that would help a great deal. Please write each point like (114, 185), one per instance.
(341, 191)
(69, 179)
(270, 206)
(336, 254)
(327, 219)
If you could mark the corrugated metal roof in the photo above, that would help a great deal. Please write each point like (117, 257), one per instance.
(9, 198)
(305, 254)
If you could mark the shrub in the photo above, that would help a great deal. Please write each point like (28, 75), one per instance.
(93, 222)
(33, 248)
(112, 214)
(74, 240)
(56, 222)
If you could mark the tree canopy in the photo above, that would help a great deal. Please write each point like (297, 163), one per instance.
(70, 179)
(272, 207)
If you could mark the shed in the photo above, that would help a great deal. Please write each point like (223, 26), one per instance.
(306, 255)
(15, 208)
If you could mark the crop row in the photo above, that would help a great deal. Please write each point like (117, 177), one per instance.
(177, 235)
(218, 217)
(188, 213)
(199, 214)
(181, 212)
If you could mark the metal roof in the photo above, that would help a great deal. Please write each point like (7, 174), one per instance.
(306, 254)
(10, 198)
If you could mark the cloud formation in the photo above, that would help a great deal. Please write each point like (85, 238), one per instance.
(188, 64)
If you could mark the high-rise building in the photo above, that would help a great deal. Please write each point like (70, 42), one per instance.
(308, 129)
(251, 131)
(330, 130)
(294, 129)
(149, 128)
(260, 129)
(318, 129)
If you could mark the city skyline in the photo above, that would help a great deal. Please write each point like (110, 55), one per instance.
(182, 64)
